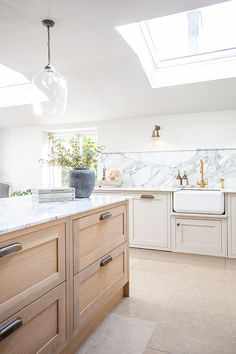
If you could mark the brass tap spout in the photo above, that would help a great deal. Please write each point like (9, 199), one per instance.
(202, 183)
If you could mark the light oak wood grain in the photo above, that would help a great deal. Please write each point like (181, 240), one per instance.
(94, 237)
(43, 329)
(37, 268)
(95, 284)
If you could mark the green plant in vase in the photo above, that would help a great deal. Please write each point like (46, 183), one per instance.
(81, 164)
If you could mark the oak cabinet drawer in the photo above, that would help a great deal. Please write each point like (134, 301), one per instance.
(38, 328)
(95, 284)
(30, 265)
(97, 234)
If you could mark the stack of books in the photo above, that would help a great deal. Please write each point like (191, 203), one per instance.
(45, 195)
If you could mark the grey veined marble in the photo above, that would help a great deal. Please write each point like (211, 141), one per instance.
(21, 212)
(142, 169)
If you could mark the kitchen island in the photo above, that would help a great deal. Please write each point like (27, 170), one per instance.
(63, 266)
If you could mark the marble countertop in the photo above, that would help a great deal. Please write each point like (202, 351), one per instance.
(21, 212)
(159, 189)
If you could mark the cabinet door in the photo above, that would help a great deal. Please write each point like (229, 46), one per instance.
(199, 237)
(30, 265)
(232, 227)
(38, 328)
(97, 284)
(150, 222)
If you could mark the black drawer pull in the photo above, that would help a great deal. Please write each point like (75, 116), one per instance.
(105, 261)
(10, 328)
(147, 196)
(178, 224)
(105, 216)
(10, 249)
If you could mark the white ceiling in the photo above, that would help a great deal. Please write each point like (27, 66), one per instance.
(105, 78)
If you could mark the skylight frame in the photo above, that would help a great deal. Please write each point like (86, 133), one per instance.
(200, 67)
(191, 59)
(17, 90)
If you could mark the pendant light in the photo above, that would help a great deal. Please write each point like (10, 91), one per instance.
(52, 84)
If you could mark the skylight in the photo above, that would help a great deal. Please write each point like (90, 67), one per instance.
(192, 46)
(16, 89)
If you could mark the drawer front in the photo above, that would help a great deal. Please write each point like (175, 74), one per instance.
(200, 237)
(38, 328)
(96, 284)
(37, 266)
(97, 234)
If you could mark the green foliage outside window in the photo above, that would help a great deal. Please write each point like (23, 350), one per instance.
(67, 153)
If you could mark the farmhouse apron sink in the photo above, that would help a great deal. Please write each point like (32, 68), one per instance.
(199, 201)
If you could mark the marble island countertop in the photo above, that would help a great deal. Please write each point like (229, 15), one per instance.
(21, 212)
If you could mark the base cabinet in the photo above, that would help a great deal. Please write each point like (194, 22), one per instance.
(59, 278)
(206, 237)
(150, 221)
(232, 226)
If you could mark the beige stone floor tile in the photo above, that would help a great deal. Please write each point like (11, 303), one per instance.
(154, 351)
(231, 263)
(152, 296)
(182, 258)
(185, 333)
(119, 334)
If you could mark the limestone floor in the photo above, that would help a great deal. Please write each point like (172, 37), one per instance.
(179, 304)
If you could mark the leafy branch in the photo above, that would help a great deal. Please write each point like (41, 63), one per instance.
(72, 156)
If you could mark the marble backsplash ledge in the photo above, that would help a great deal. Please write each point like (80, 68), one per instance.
(140, 169)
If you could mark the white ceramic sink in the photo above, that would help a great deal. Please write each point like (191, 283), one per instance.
(199, 201)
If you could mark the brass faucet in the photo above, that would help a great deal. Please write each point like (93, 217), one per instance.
(202, 183)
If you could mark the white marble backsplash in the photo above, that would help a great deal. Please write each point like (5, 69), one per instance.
(140, 169)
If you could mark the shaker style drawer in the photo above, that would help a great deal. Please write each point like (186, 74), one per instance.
(95, 284)
(97, 234)
(30, 265)
(38, 328)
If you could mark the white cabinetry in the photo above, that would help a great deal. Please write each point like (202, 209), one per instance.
(199, 236)
(149, 219)
(232, 226)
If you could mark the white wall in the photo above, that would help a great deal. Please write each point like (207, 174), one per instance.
(20, 148)
(189, 131)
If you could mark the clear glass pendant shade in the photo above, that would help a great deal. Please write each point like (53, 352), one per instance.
(54, 86)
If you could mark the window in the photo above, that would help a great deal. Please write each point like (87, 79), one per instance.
(16, 89)
(58, 175)
(192, 46)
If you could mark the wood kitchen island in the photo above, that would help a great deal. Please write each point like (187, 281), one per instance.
(63, 266)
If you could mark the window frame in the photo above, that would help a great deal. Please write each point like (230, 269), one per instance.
(54, 172)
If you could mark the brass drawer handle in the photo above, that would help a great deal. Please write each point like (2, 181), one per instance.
(147, 196)
(10, 249)
(10, 328)
(105, 216)
(105, 261)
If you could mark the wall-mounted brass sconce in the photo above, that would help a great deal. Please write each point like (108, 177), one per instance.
(155, 133)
